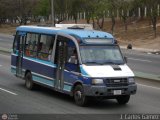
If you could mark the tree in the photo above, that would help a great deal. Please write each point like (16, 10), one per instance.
(76, 7)
(95, 10)
(138, 4)
(42, 8)
(62, 9)
(100, 12)
(18, 9)
(153, 12)
(124, 8)
(89, 9)
(7, 10)
(111, 6)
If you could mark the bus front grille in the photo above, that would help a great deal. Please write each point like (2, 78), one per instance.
(116, 82)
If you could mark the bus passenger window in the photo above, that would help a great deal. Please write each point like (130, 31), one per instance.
(31, 44)
(50, 51)
(45, 47)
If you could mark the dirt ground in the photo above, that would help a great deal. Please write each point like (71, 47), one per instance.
(8, 29)
(140, 33)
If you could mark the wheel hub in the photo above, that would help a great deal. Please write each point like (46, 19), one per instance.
(79, 94)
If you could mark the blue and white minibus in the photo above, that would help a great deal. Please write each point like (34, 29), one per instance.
(77, 61)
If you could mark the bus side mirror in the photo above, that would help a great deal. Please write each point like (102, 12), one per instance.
(116, 42)
(125, 58)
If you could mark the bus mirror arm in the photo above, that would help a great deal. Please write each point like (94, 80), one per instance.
(125, 58)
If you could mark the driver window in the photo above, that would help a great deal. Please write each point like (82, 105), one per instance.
(72, 55)
(72, 63)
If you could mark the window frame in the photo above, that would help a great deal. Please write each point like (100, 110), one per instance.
(29, 49)
(53, 38)
(14, 47)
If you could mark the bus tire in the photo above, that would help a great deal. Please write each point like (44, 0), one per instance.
(123, 99)
(79, 96)
(28, 81)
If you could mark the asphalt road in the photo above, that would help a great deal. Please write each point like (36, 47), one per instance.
(6, 41)
(143, 62)
(15, 98)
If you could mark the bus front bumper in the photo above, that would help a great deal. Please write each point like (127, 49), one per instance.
(109, 91)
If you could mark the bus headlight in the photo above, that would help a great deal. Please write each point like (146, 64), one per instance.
(97, 81)
(131, 80)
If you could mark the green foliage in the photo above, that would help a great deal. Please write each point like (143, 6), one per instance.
(95, 10)
(76, 7)
(42, 8)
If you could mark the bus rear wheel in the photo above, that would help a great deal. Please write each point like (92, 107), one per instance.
(79, 96)
(28, 81)
(123, 99)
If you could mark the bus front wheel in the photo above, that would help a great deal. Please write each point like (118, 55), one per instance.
(123, 99)
(28, 81)
(79, 96)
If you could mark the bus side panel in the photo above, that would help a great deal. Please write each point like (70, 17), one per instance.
(13, 63)
(42, 71)
(70, 79)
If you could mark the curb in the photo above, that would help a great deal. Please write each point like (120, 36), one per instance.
(147, 76)
(5, 50)
(141, 49)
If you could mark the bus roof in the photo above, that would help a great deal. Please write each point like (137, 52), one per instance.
(82, 33)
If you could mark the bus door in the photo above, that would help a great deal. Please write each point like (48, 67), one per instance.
(20, 51)
(60, 60)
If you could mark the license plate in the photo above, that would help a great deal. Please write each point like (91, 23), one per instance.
(117, 92)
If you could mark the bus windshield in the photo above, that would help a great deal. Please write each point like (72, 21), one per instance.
(108, 54)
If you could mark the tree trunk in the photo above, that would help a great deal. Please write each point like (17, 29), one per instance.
(98, 26)
(88, 20)
(126, 27)
(102, 23)
(113, 24)
(93, 22)
(125, 23)
(75, 18)
(0, 22)
(154, 23)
